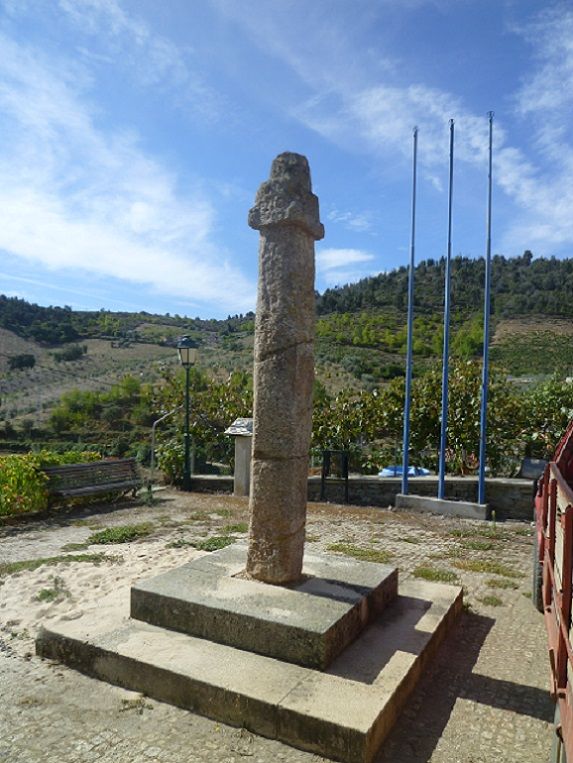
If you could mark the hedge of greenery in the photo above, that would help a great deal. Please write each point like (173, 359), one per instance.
(23, 486)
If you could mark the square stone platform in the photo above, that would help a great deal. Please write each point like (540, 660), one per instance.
(342, 713)
(308, 623)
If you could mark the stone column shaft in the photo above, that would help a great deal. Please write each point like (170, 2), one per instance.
(286, 213)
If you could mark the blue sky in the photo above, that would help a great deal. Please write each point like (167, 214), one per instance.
(134, 135)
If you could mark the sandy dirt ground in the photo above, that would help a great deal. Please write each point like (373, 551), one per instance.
(484, 698)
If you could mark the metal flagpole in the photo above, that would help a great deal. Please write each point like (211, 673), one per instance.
(446, 353)
(486, 311)
(408, 387)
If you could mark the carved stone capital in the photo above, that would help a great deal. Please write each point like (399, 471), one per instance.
(286, 198)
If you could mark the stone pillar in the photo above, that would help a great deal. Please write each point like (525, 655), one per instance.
(286, 214)
(241, 482)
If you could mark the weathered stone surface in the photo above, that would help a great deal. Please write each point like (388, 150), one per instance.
(308, 623)
(286, 213)
(343, 713)
(465, 509)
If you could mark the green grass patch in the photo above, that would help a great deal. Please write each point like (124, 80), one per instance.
(487, 531)
(28, 565)
(476, 545)
(240, 527)
(491, 601)
(364, 554)
(179, 543)
(121, 534)
(501, 583)
(525, 532)
(435, 574)
(85, 523)
(199, 516)
(488, 566)
(451, 553)
(214, 543)
(75, 546)
(56, 593)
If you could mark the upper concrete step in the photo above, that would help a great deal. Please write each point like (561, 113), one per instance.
(308, 623)
(343, 713)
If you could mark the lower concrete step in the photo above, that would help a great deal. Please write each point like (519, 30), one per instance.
(308, 623)
(343, 713)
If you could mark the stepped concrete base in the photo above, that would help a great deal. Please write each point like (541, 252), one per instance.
(343, 713)
(423, 503)
(308, 623)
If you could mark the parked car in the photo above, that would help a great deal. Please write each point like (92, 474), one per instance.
(396, 471)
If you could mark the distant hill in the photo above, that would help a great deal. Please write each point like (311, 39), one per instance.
(520, 286)
(361, 333)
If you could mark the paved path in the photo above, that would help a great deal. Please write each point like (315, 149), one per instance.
(484, 698)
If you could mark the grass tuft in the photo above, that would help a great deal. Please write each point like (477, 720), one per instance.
(487, 565)
(121, 534)
(74, 546)
(491, 601)
(435, 574)
(240, 527)
(179, 543)
(501, 583)
(28, 565)
(364, 554)
(214, 543)
(56, 593)
(476, 545)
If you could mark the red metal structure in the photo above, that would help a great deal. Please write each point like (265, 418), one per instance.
(552, 583)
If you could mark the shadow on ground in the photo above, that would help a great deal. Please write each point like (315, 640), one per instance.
(449, 678)
(64, 516)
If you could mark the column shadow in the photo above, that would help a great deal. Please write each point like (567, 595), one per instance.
(450, 677)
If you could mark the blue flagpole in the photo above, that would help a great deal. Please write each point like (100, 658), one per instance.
(408, 382)
(446, 352)
(486, 311)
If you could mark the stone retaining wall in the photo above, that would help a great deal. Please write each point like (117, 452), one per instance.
(509, 498)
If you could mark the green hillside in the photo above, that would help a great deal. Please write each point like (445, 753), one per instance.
(361, 333)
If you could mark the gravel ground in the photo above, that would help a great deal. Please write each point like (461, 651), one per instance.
(484, 698)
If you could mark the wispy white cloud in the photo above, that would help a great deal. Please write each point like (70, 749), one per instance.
(74, 197)
(370, 110)
(544, 102)
(550, 87)
(359, 222)
(153, 59)
(339, 266)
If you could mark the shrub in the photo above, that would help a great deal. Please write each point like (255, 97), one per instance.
(24, 360)
(170, 457)
(73, 352)
(23, 487)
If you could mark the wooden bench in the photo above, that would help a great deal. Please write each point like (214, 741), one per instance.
(78, 480)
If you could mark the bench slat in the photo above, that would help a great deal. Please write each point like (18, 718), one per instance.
(93, 489)
(94, 477)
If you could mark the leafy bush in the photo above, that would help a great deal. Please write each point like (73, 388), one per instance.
(23, 487)
(72, 352)
(170, 457)
(25, 360)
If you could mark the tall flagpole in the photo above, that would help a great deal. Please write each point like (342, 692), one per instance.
(408, 387)
(446, 352)
(486, 311)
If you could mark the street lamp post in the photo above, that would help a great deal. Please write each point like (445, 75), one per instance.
(187, 349)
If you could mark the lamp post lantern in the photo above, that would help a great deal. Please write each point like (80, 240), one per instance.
(187, 349)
